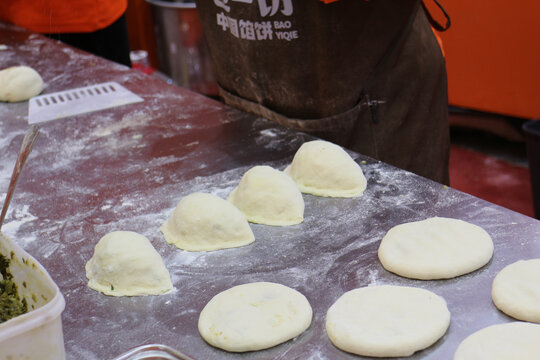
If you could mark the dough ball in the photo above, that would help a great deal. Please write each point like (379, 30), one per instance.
(325, 169)
(254, 316)
(387, 321)
(516, 340)
(435, 248)
(268, 196)
(516, 290)
(19, 83)
(126, 264)
(205, 222)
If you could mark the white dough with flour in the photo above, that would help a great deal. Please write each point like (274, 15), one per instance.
(387, 321)
(516, 290)
(254, 316)
(19, 83)
(126, 264)
(205, 222)
(268, 196)
(510, 341)
(324, 169)
(435, 248)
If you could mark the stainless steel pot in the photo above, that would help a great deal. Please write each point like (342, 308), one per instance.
(182, 50)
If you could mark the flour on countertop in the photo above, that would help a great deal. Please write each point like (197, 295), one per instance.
(15, 218)
(129, 121)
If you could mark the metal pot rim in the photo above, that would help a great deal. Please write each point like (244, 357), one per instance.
(172, 4)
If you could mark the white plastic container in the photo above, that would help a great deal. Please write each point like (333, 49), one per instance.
(38, 333)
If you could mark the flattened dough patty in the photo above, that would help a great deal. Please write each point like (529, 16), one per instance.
(516, 340)
(387, 321)
(254, 316)
(435, 248)
(516, 290)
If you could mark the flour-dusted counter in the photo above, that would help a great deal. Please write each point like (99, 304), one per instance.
(126, 168)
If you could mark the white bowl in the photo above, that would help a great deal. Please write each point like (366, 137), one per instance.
(36, 334)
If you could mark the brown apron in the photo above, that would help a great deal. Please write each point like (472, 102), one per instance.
(367, 75)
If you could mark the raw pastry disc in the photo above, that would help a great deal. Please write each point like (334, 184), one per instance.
(435, 248)
(254, 316)
(387, 321)
(511, 341)
(516, 290)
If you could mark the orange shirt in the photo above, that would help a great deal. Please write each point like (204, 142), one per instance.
(61, 16)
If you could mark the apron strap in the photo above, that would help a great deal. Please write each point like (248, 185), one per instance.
(436, 25)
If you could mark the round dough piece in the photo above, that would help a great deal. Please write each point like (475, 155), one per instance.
(435, 248)
(325, 169)
(516, 290)
(19, 83)
(126, 264)
(205, 222)
(387, 321)
(515, 340)
(254, 316)
(268, 196)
